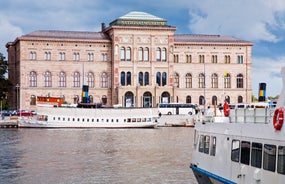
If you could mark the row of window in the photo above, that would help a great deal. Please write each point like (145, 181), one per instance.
(62, 56)
(214, 59)
(259, 155)
(161, 79)
(269, 157)
(143, 55)
(62, 79)
(128, 120)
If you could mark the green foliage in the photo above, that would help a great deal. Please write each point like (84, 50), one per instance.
(5, 84)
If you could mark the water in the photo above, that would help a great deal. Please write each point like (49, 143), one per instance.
(161, 155)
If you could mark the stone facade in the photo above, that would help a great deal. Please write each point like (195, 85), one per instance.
(137, 61)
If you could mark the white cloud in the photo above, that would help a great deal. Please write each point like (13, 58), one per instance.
(9, 32)
(267, 70)
(252, 20)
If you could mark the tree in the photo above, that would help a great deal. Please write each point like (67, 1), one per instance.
(5, 84)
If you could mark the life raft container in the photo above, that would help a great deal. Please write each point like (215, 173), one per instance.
(278, 118)
(226, 109)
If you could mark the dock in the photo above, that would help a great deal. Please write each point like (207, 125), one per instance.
(9, 122)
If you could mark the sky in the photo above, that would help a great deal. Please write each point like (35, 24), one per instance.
(261, 22)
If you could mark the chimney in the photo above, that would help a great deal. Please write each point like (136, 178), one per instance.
(103, 26)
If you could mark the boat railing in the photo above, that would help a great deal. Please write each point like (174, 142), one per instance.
(251, 115)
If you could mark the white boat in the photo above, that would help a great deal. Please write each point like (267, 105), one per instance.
(248, 146)
(49, 116)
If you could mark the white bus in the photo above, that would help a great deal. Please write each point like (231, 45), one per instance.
(177, 108)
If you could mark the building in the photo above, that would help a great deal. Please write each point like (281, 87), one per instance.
(137, 60)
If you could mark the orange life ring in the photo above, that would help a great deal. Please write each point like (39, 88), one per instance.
(226, 109)
(278, 118)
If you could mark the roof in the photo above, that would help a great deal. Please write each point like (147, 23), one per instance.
(134, 15)
(207, 38)
(68, 35)
(135, 18)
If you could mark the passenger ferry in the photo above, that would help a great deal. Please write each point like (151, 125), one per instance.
(246, 145)
(70, 117)
(54, 114)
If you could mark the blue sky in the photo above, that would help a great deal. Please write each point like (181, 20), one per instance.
(259, 21)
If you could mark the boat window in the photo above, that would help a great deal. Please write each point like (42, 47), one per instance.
(97, 120)
(112, 120)
(87, 119)
(78, 119)
(107, 120)
(206, 144)
(68, 119)
(235, 150)
(117, 120)
(58, 118)
(53, 118)
(281, 160)
(269, 157)
(139, 120)
(129, 120)
(245, 152)
(134, 119)
(73, 119)
(92, 120)
(144, 120)
(213, 146)
(256, 154)
(201, 143)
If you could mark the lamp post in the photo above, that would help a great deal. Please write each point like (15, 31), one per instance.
(17, 96)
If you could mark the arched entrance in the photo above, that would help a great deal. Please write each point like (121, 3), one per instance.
(165, 97)
(147, 99)
(129, 99)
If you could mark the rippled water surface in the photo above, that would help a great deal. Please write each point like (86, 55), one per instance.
(160, 155)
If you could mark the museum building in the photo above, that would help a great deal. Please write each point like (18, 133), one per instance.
(136, 61)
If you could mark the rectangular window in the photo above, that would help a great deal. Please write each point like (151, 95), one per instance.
(245, 152)
(269, 157)
(206, 144)
(201, 143)
(213, 146)
(281, 160)
(235, 150)
(256, 154)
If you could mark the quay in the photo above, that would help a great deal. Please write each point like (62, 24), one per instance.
(9, 122)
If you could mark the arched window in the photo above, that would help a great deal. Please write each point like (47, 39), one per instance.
(164, 78)
(240, 99)
(33, 55)
(129, 78)
(33, 79)
(188, 80)
(214, 80)
(227, 59)
(146, 54)
(123, 78)
(128, 54)
(123, 53)
(158, 54)
(47, 56)
(76, 79)
(214, 100)
(188, 99)
(201, 80)
(201, 100)
(140, 50)
(62, 79)
(90, 80)
(158, 76)
(33, 100)
(48, 79)
(176, 80)
(163, 54)
(104, 80)
(227, 81)
(239, 81)
(61, 56)
(141, 78)
(76, 56)
(146, 78)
